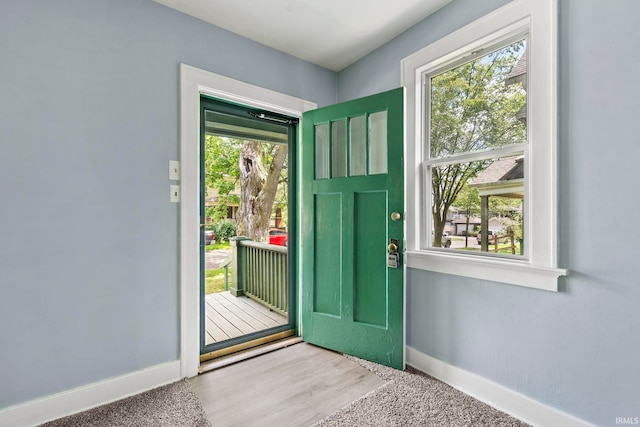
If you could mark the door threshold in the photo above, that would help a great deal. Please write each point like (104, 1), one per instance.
(225, 351)
(244, 354)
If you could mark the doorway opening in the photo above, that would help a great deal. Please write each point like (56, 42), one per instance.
(247, 227)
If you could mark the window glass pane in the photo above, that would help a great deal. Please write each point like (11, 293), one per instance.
(480, 194)
(357, 146)
(322, 150)
(481, 104)
(378, 143)
(339, 148)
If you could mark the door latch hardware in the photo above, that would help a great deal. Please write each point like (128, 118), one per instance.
(393, 256)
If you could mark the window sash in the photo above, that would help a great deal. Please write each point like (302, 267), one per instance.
(427, 218)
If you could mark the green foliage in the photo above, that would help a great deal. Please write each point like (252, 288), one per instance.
(211, 212)
(468, 200)
(514, 229)
(223, 175)
(472, 108)
(505, 206)
(221, 172)
(224, 230)
(214, 280)
(217, 245)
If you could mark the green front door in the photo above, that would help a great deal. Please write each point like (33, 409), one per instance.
(352, 204)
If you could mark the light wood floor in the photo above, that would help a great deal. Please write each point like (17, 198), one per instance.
(292, 387)
(230, 317)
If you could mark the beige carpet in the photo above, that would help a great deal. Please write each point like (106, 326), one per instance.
(169, 406)
(400, 398)
(412, 398)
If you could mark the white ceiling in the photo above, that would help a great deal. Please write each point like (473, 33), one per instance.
(330, 33)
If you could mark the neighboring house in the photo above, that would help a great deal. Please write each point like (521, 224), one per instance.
(519, 75)
(500, 224)
(212, 199)
(462, 227)
(504, 178)
(90, 118)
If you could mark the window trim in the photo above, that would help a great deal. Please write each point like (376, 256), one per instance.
(538, 19)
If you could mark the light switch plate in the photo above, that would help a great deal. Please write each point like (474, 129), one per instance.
(175, 193)
(174, 170)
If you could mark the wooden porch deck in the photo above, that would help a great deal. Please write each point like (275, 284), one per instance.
(229, 317)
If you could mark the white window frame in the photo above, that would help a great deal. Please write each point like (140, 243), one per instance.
(538, 268)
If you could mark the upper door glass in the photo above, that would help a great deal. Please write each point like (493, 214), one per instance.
(322, 150)
(355, 146)
(378, 143)
(339, 149)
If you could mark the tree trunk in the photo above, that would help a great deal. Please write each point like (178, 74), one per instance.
(257, 190)
(438, 228)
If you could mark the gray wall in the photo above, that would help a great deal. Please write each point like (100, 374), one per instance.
(577, 350)
(89, 259)
(88, 122)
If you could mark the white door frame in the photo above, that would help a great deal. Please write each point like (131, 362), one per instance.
(193, 83)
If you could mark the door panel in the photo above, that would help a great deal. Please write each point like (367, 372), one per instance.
(328, 263)
(370, 296)
(352, 180)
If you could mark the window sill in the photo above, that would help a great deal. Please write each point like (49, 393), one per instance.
(497, 270)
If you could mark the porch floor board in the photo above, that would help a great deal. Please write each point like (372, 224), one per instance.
(229, 317)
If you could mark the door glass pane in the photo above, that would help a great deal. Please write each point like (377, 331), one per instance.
(339, 149)
(378, 143)
(357, 146)
(322, 150)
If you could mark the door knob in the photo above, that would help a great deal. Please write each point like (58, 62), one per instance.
(396, 216)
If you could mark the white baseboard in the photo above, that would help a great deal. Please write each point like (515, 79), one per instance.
(89, 396)
(506, 400)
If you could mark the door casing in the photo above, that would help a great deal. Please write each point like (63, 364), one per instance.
(193, 83)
